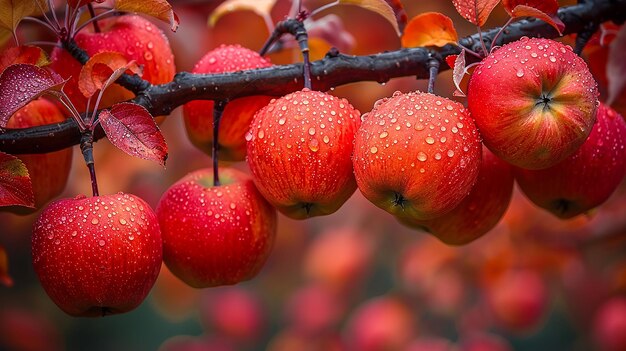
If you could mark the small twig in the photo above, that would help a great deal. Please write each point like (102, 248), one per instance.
(86, 146)
(296, 28)
(433, 70)
(92, 12)
(218, 109)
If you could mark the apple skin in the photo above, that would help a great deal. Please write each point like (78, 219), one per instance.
(518, 300)
(134, 37)
(48, 172)
(417, 155)
(609, 325)
(571, 187)
(534, 102)
(215, 235)
(98, 255)
(299, 150)
(479, 211)
(237, 114)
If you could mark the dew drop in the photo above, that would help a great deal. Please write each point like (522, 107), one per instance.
(101, 242)
(422, 156)
(326, 139)
(430, 140)
(94, 221)
(450, 153)
(374, 149)
(122, 221)
(314, 145)
(520, 73)
(383, 135)
(282, 121)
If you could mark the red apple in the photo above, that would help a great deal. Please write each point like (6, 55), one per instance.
(234, 313)
(98, 255)
(534, 101)
(518, 300)
(313, 310)
(48, 172)
(484, 342)
(573, 186)
(417, 155)
(215, 235)
(383, 323)
(609, 325)
(480, 211)
(238, 113)
(299, 149)
(430, 344)
(134, 37)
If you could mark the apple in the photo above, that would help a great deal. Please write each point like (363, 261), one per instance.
(518, 300)
(417, 155)
(572, 186)
(98, 255)
(479, 211)
(48, 172)
(134, 37)
(484, 342)
(609, 325)
(314, 310)
(382, 323)
(299, 149)
(215, 235)
(431, 344)
(237, 114)
(234, 313)
(534, 101)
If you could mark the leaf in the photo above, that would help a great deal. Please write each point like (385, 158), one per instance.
(16, 188)
(475, 11)
(527, 11)
(12, 11)
(549, 7)
(132, 129)
(262, 8)
(330, 29)
(100, 68)
(22, 83)
(398, 10)
(616, 66)
(32, 55)
(79, 3)
(450, 60)
(429, 29)
(458, 72)
(5, 35)
(379, 6)
(160, 9)
(5, 278)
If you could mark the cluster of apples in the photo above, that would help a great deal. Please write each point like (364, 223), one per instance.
(416, 155)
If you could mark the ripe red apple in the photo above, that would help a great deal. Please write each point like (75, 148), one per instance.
(484, 342)
(238, 113)
(48, 172)
(417, 155)
(609, 325)
(518, 300)
(98, 255)
(431, 344)
(383, 323)
(134, 37)
(314, 310)
(234, 313)
(215, 235)
(299, 149)
(534, 101)
(585, 179)
(479, 211)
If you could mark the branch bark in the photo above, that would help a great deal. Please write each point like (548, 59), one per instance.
(334, 70)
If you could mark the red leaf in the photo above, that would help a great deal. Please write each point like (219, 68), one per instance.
(616, 66)
(450, 60)
(429, 29)
(398, 9)
(131, 128)
(16, 188)
(475, 11)
(160, 9)
(458, 72)
(527, 11)
(96, 73)
(22, 83)
(32, 55)
(549, 7)
(78, 3)
(5, 278)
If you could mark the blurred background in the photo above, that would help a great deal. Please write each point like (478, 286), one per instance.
(354, 280)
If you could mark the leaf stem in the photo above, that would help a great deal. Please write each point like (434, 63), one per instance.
(92, 12)
(218, 109)
(324, 7)
(482, 41)
(493, 42)
(86, 146)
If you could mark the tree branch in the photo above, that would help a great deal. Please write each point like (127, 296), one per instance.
(336, 69)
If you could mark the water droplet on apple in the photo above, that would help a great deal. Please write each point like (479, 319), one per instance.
(421, 156)
(101, 242)
(373, 149)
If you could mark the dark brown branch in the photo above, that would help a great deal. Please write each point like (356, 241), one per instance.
(336, 69)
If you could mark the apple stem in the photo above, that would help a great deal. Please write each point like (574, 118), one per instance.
(86, 146)
(92, 12)
(433, 70)
(218, 109)
(583, 37)
(493, 42)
